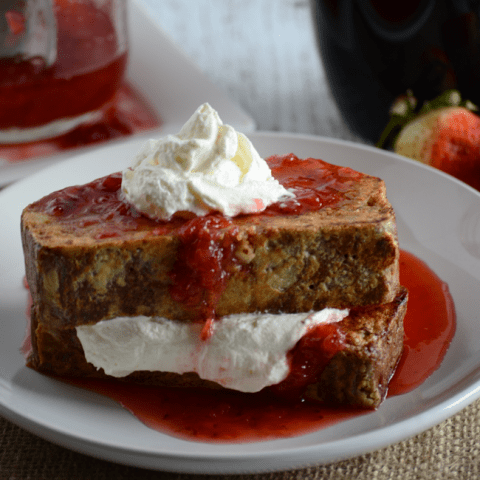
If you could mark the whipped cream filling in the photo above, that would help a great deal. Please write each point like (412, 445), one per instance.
(206, 167)
(246, 352)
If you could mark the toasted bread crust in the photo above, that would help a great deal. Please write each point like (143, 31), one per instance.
(360, 374)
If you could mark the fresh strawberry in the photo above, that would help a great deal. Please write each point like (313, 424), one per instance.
(457, 148)
(444, 136)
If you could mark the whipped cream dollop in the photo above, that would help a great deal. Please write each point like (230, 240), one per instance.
(246, 352)
(207, 166)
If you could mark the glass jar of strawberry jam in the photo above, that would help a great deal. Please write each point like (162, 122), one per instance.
(61, 61)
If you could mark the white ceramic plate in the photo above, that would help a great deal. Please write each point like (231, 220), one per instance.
(438, 220)
(171, 83)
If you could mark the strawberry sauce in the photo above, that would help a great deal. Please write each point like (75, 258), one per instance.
(316, 184)
(206, 257)
(429, 324)
(207, 246)
(226, 416)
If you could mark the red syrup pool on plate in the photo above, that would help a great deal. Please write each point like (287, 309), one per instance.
(127, 113)
(429, 325)
(225, 416)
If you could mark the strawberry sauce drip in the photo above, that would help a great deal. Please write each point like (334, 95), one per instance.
(204, 261)
(308, 359)
(228, 416)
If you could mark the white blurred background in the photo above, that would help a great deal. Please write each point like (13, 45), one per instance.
(262, 53)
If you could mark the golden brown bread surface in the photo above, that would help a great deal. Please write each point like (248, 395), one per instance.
(342, 256)
(359, 375)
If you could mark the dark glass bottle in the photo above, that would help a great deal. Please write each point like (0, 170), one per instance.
(375, 50)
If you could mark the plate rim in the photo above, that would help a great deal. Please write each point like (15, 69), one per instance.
(152, 459)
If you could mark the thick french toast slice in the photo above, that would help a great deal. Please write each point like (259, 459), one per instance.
(85, 267)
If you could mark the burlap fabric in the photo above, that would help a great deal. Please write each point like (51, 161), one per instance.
(450, 450)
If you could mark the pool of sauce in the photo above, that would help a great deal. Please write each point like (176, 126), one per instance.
(226, 416)
(127, 113)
